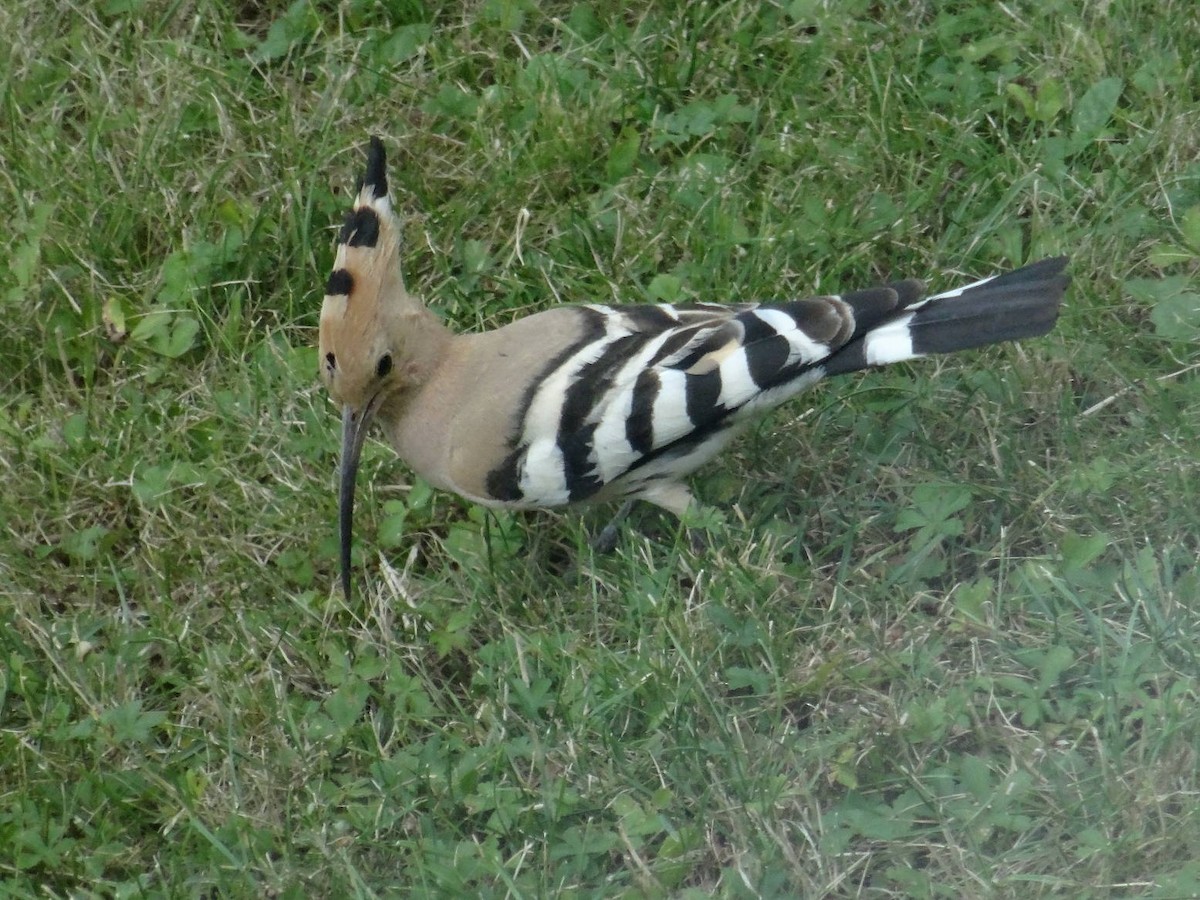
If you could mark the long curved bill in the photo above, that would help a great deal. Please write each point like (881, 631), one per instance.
(354, 431)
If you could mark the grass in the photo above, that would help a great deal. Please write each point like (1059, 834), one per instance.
(944, 643)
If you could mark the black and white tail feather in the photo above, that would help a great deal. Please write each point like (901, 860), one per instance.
(591, 403)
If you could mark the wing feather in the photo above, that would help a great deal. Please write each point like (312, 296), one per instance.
(703, 366)
(661, 381)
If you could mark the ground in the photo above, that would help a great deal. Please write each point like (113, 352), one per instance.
(943, 641)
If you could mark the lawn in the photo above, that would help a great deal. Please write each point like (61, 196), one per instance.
(944, 641)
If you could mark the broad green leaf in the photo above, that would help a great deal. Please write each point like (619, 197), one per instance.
(181, 338)
(1165, 255)
(288, 31)
(1093, 111)
(1189, 227)
(1080, 550)
(665, 288)
(999, 44)
(969, 599)
(622, 155)
(475, 257)
(404, 43)
(130, 723)
(804, 11)
(1051, 98)
(1178, 318)
(1022, 96)
(507, 15)
(25, 259)
(152, 325)
(346, 704)
(453, 103)
(977, 778)
(1176, 306)
(393, 528)
(933, 504)
(1155, 290)
(86, 544)
(1055, 661)
(739, 678)
(150, 484)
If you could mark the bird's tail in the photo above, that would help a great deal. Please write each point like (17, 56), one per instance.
(1019, 304)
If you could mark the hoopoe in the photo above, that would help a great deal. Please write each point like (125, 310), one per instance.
(594, 402)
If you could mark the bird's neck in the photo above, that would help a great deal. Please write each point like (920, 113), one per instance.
(423, 339)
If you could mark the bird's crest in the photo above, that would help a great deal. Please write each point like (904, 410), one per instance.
(366, 286)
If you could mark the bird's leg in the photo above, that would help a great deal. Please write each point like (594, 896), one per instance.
(606, 541)
(698, 521)
(697, 539)
(695, 518)
(675, 498)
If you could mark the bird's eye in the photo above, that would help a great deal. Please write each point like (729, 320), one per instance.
(331, 361)
(384, 366)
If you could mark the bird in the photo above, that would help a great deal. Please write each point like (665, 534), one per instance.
(593, 402)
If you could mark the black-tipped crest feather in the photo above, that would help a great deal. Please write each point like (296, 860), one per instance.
(376, 175)
(340, 283)
(361, 228)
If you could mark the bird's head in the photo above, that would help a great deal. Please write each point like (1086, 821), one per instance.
(362, 353)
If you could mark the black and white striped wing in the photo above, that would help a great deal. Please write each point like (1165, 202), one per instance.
(663, 379)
